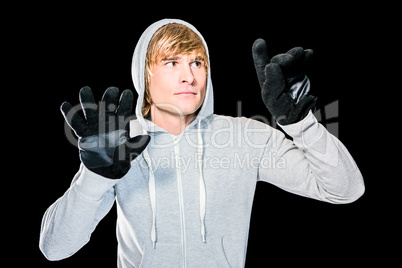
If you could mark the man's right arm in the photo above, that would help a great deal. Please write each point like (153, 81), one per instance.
(68, 223)
(106, 152)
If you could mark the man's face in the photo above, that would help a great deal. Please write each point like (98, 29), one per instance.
(178, 84)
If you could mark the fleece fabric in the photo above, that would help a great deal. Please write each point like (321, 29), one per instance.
(187, 199)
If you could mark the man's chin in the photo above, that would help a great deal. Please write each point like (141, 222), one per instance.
(181, 110)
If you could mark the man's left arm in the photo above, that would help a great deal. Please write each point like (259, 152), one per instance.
(315, 164)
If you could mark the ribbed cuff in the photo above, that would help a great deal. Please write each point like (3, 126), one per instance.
(306, 131)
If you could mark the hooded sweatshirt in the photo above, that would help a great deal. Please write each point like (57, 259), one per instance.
(187, 199)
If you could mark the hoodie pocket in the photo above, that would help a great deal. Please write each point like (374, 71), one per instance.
(219, 253)
(210, 254)
(163, 255)
(198, 255)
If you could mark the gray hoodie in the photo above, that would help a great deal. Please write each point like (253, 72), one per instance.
(187, 199)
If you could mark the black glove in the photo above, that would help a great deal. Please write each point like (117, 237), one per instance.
(284, 85)
(103, 138)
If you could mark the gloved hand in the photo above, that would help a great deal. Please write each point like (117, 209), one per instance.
(284, 85)
(103, 138)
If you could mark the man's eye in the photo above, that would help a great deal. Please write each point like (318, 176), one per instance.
(171, 63)
(196, 64)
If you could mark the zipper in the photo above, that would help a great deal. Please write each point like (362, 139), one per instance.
(181, 202)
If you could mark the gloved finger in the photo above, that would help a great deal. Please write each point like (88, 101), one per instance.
(125, 104)
(109, 101)
(285, 61)
(74, 120)
(261, 59)
(274, 86)
(302, 57)
(295, 61)
(296, 52)
(89, 106)
(289, 59)
(308, 57)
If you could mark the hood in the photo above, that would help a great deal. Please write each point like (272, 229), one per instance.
(138, 71)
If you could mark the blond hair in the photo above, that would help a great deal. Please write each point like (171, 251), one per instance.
(170, 40)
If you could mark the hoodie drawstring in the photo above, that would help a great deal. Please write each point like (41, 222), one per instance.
(152, 189)
(202, 182)
(152, 195)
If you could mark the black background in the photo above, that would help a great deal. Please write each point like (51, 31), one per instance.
(58, 49)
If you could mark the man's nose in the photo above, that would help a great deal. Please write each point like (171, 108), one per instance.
(186, 75)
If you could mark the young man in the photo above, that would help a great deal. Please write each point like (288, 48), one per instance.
(185, 199)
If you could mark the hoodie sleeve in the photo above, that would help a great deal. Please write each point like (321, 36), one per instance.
(68, 223)
(315, 164)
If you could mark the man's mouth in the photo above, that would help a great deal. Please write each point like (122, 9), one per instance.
(186, 93)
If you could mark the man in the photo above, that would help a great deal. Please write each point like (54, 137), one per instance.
(182, 177)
